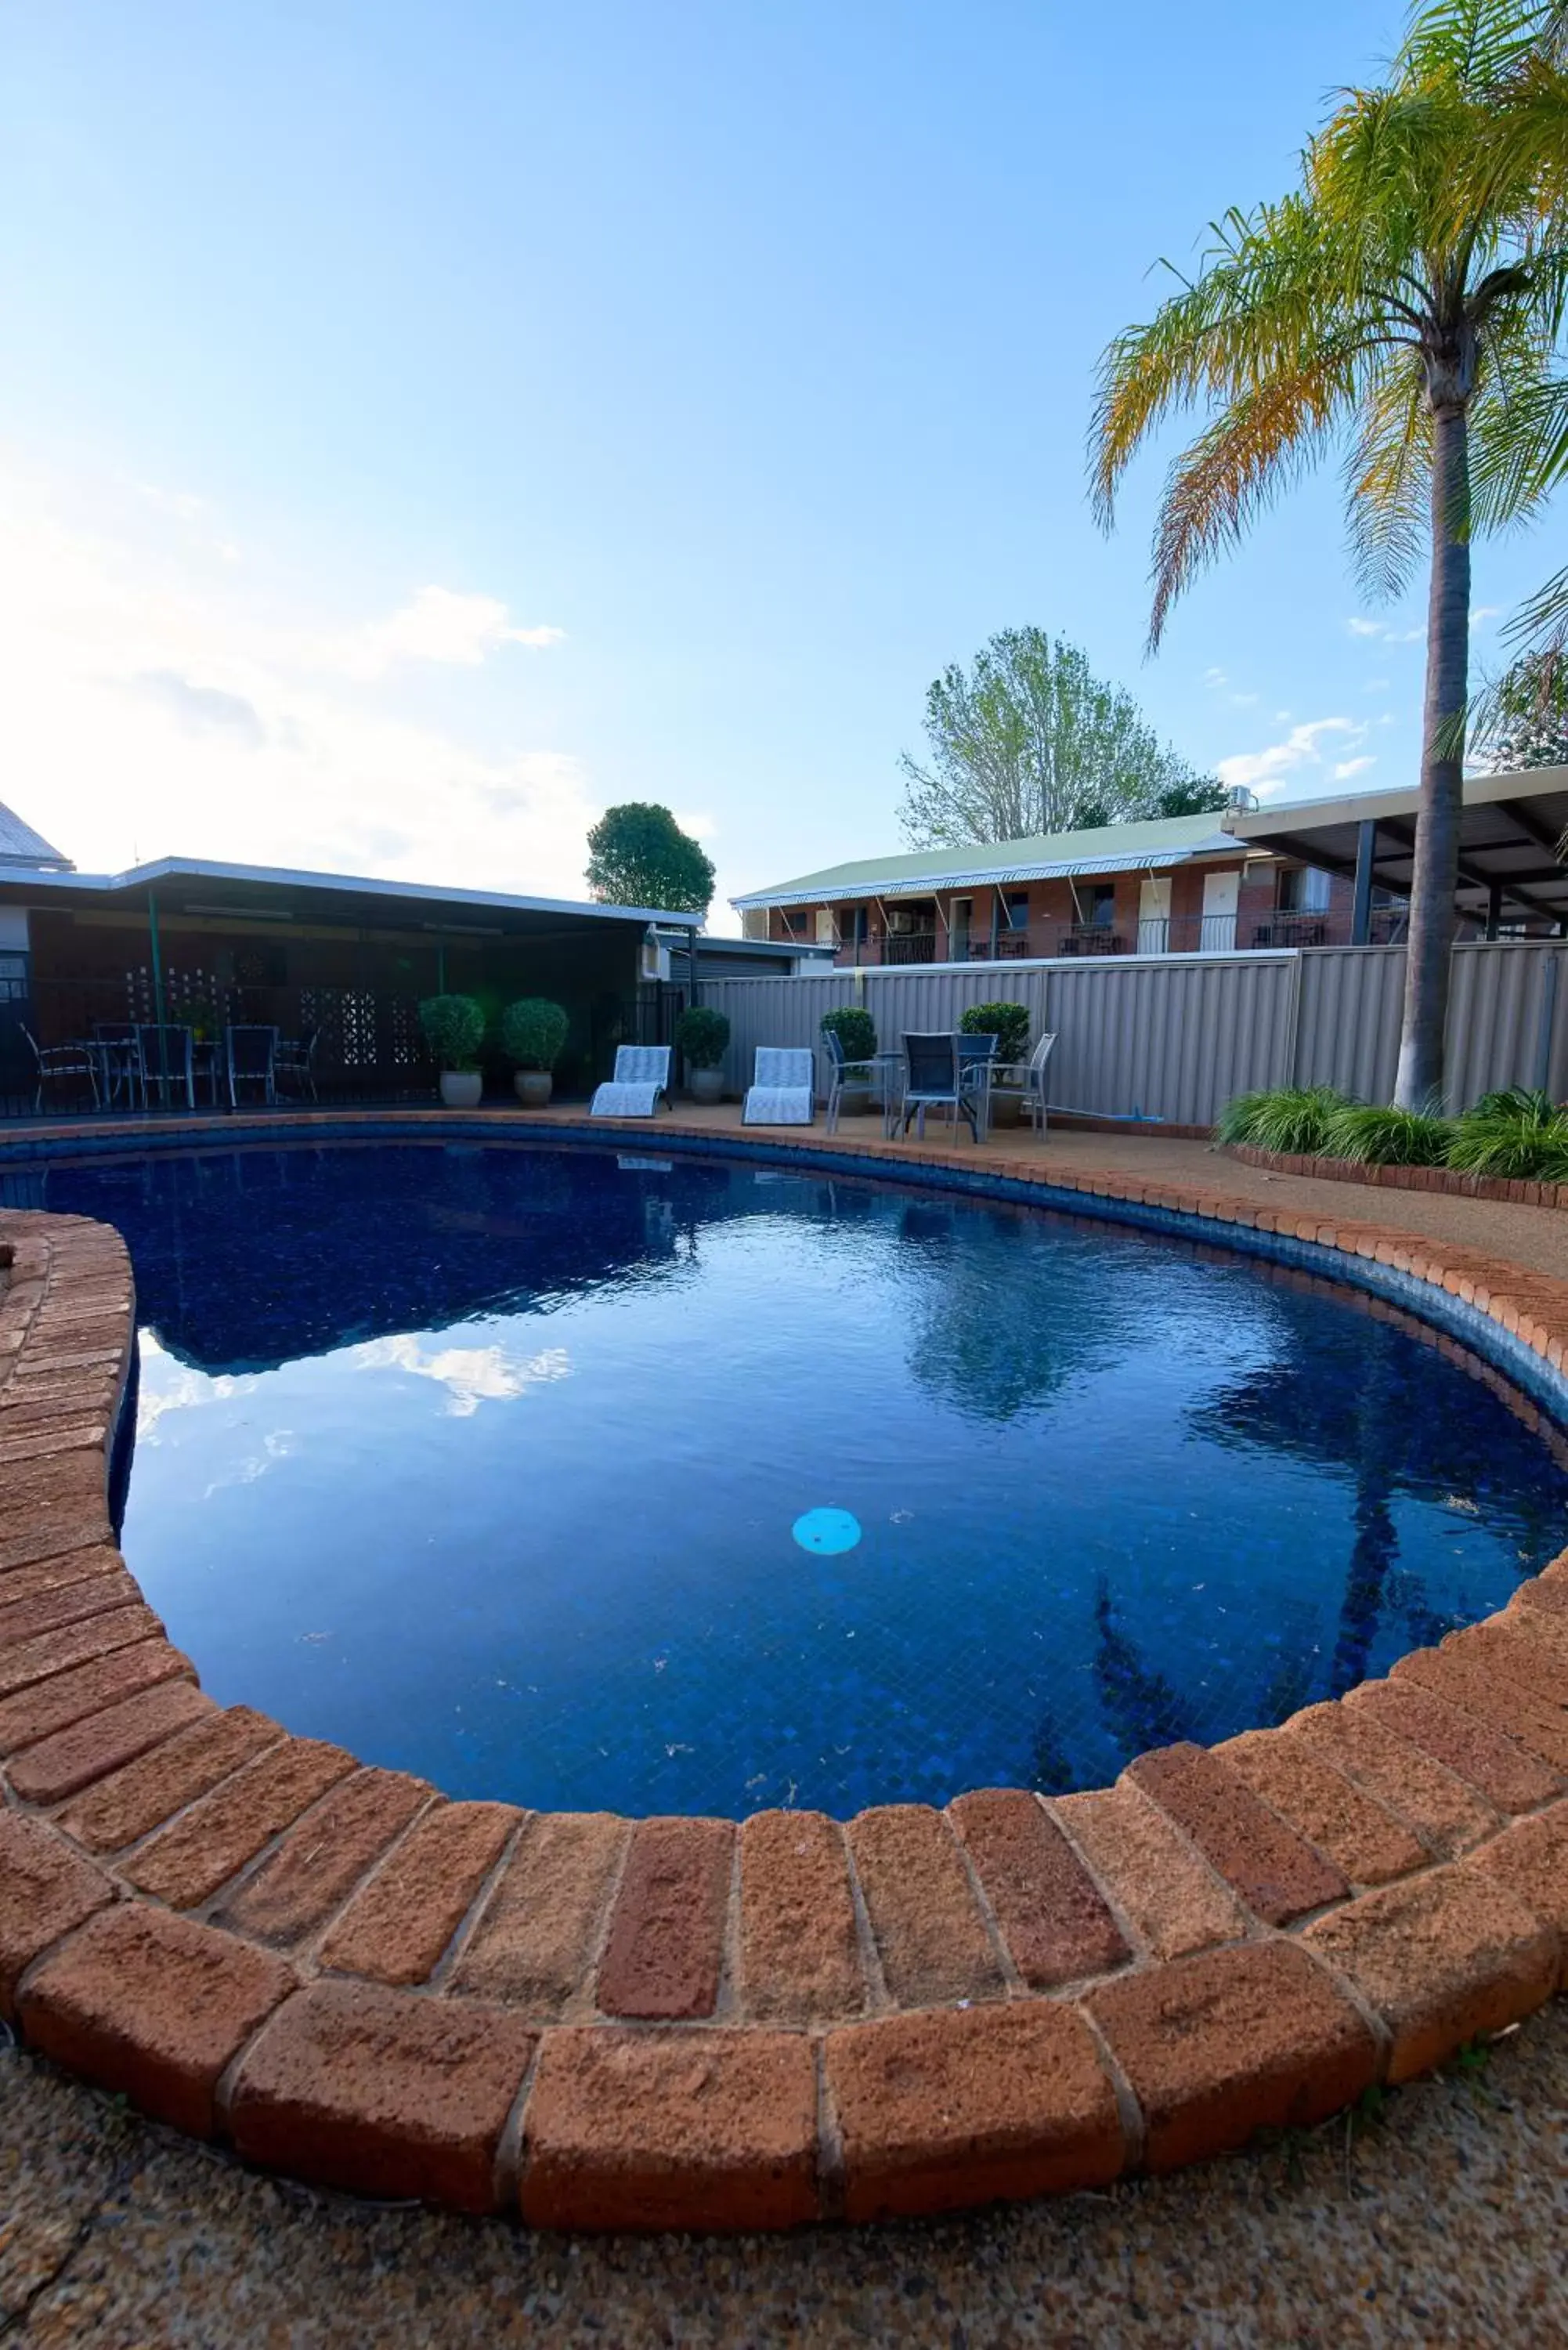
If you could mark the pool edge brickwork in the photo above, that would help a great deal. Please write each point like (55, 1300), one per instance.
(687, 2025)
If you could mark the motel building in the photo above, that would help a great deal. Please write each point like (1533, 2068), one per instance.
(1309, 873)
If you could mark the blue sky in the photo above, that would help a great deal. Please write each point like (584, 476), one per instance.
(421, 427)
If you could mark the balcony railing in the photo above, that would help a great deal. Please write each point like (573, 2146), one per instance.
(1046, 940)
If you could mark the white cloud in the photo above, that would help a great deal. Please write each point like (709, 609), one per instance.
(1484, 612)
(1345, 768)
(435, 625)
(156, 699)
(1269, 772)
(1215, 677)
(1384, 634)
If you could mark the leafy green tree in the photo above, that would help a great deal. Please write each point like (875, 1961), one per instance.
(1027, 740)
(1522, 720)
(639, 856)
(1403, 303)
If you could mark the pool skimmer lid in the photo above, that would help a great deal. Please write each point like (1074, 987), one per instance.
(827, 1532)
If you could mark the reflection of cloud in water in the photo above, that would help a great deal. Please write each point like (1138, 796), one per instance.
(166, 1386)
(275, 1447)
(471, 1375)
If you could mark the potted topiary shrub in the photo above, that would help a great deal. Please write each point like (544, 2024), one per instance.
(454, 1030)
(533, 1035)
(1009, 1024)
(702, 1033)
(856, 1034)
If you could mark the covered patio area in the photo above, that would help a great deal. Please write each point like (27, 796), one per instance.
(336, 964)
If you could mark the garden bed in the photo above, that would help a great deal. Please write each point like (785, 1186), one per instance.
(1404, 1179)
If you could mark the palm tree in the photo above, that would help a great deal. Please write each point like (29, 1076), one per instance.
(1404, 302)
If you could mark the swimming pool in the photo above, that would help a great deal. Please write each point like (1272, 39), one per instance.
(596, 1479)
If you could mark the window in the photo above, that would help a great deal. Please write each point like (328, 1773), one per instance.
(1018, 909)
(794, 919)
(855, 925)
(1099, 905)
(1302, 889)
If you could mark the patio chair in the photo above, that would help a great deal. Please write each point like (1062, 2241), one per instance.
(250, 1057)
(52, 1061)
(977, 1067)
(640, 1081)
(783, 1089)
(1030, 1077)
(168, 1062)
(849, 1077)
(934, 1078)
(117, 1048)
(294, 1058)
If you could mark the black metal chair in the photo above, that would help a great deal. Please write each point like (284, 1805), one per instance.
(167, 1061)
(934, 1078)
(117, 1048)
(250, 1057)
(54, 1061)
(294, 1058)
(977, 1066)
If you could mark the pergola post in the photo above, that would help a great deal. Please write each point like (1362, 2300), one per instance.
(156, 953)
(1493, 907)
(1361, 905)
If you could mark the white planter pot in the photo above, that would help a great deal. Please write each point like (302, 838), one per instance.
(533, 1088)
(461, 1088)
(707, 1085)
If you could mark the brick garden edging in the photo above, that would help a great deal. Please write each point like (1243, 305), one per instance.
(688, 2023)
(1508, 1191)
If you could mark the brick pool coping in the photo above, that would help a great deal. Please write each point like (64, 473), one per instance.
(694, 2024)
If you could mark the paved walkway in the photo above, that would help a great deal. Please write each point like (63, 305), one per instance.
(1443, 2224)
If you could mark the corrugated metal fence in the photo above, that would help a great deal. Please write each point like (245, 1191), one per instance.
(1175, 1037)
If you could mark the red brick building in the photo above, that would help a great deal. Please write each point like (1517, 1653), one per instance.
(1176, 885)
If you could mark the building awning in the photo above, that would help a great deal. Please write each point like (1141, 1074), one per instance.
(986, 876)
(1509, 837)
(266, 893)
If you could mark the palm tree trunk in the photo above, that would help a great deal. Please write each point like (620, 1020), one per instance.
(1436, 862)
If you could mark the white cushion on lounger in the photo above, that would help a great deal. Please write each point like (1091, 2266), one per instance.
(783, 1092)
(641, 1076)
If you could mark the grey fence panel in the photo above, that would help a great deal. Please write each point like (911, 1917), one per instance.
(1347, 1024)
(1506, 1021)
(927, 996)
(773, 1012)
(1175, 1037)
(1171, 1038)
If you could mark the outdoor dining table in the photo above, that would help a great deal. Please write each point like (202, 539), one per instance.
(116, 1065)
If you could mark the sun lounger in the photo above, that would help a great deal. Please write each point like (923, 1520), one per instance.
(782, 1088)
(640, 1081)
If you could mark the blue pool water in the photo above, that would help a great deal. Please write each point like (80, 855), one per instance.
(697, 1485)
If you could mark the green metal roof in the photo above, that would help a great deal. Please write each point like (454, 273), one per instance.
(1107, 848)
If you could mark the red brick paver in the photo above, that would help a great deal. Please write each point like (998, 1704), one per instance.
(382, 2092)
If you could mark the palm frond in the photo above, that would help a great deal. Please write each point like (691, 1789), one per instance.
(1266, 439)
(1484, 41)
(1267, 292)
(1388, 477)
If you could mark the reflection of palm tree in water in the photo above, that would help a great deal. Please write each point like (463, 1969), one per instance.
(1376, 1545)
(1140, 1706)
